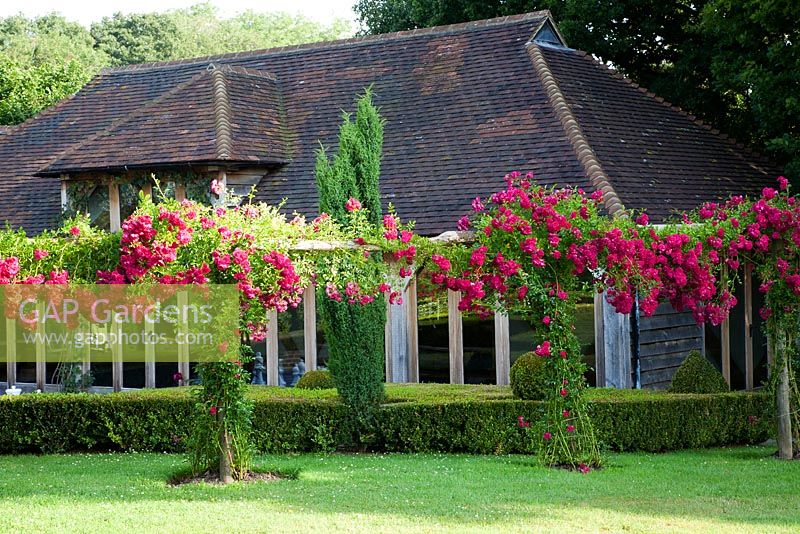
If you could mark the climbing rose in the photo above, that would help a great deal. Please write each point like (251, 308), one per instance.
(39, 254)
(75, 231)
(547, 436)
(352, 204)
(521, 292)
(213, 410)
(216, 187)
(441, 262)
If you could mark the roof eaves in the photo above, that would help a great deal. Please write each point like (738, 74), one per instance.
(48, 169)
(580, 144)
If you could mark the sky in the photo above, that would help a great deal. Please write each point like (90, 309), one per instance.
(90, 11)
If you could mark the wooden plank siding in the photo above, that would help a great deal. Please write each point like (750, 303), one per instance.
(665, 338)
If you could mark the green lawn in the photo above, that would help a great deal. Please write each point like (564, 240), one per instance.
(717, 490)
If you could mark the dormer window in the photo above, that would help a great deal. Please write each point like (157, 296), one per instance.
(548, 35)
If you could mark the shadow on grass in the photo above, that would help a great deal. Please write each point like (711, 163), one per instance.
(739, 485)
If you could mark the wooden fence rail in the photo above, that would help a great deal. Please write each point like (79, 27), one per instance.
(402, 346)
(402, 336)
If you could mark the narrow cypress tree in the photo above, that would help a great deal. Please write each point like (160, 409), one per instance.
(355, 333)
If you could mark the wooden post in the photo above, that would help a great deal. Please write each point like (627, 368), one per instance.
(11, 352)
(310, 327)
(599, 341)
(396, 340)
(183, 348)
(502, 349)
(149, 355)
(413, 330)
(41, 365)
(616, 348)
(222, 180)
(116, 356)
(748, 326)
(725, 341)
(725, 349)
(785, 451)
(180, 192)
(455, 331)
(272, 349)
(388, 371)
(86, 363)
(113, 206)
(147, 189)
(64, 195)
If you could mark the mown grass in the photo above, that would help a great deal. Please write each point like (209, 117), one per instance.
(716, 490)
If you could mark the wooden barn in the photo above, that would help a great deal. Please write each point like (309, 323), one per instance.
(464, 105)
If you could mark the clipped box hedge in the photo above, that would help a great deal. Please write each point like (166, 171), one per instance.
(415, 419)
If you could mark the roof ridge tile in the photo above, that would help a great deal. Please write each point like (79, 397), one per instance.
(580, 144)
(222, 114)
(444, 29)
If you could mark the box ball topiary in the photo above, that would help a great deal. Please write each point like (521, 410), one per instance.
(528, 379)
(697, 375)
(316, 380)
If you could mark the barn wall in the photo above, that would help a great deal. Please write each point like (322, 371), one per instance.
(665, 338)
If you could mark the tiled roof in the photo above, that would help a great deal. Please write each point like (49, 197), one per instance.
(464, 105)
(226, 114)
(655, 155)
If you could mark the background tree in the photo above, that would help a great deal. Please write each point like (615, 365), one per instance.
(355, 332)
(732, 63)
(46, 59)
(202, 32)
(136, 38)
(42, 60)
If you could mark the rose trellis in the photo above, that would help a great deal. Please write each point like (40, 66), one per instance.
(534, 249)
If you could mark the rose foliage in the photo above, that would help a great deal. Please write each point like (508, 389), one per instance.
(536, 247)
(534, 250)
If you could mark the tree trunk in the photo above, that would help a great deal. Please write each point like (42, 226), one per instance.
(783, 402)
(225, 458)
